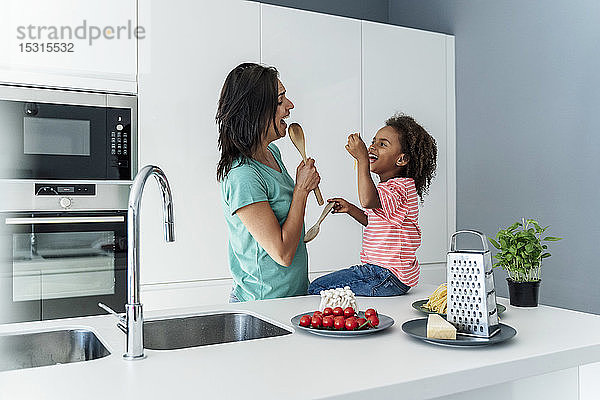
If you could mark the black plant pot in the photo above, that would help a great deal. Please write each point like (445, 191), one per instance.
(523, 294)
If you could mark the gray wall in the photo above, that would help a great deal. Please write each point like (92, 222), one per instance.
(528, 124)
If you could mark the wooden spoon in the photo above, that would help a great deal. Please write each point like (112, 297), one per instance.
(314, 230)
(297, 137)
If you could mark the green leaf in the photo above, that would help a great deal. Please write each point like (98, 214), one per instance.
(493, 242)
(552, 238)
(535, 224)
(545, 255)
(529, 248)
(514, 226)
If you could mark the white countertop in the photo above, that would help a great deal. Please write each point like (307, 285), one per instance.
(303, 365)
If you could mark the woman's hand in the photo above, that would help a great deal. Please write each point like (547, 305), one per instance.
(307, 177)
(357, 148)
(340, 206)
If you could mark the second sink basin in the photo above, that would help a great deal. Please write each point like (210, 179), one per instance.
(38, 349)
(203, 330)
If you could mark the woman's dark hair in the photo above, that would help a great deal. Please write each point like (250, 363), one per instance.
(421, 149)
(247, 105)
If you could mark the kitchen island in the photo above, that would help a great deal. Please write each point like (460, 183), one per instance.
(542, 358)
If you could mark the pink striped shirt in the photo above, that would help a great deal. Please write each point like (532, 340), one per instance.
(392, 236)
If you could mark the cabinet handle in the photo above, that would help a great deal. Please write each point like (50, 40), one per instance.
(61, 220)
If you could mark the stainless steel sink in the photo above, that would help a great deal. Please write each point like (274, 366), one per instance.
(204, 330)
(38, 349)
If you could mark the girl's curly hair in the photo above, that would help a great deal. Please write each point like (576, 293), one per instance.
(420, 148)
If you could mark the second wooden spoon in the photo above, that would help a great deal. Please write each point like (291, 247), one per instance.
(314, 230)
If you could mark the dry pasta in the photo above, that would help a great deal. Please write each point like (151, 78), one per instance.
(437, 300)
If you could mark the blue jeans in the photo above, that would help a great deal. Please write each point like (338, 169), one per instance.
(364, 280)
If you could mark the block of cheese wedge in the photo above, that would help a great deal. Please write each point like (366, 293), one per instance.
(439, 328)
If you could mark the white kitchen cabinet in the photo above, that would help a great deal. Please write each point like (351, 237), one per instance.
(182, 67)
(108, 63)
(319, 60)
(412, 71)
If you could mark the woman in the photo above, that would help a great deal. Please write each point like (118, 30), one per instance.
(263, 207)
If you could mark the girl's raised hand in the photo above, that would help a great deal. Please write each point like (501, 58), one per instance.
(357, 148)
(340, 206)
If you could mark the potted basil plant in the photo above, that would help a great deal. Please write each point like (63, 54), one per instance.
(521, 251)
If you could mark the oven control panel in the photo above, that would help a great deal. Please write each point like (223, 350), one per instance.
(119, 142)
(44, 189)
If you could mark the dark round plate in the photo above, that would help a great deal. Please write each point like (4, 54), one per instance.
(384, 323)
(417, 328)
(418, 305)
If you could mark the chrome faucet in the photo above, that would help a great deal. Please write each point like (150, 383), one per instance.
(133, 309)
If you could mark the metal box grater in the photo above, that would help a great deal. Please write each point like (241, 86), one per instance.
(471, 296)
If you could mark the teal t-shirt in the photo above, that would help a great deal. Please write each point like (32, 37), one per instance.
(256, 275)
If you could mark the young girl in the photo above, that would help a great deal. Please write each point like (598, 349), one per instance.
(403, 155)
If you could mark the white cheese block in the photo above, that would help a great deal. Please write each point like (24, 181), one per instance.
(439, 328)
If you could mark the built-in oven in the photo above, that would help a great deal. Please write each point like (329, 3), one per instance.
(61, 134)
(63, 249)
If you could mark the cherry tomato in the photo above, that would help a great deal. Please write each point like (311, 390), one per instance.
(338, 311)
(328, 321)
(339, 323)
(316, 321)
(373, 321)
(348, 312)
(361, 322)
(328, 311)
(305, 320)
(351, 324)
(370, 312)
(318, 313)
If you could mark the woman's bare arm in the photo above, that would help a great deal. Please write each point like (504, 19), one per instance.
(279, 241)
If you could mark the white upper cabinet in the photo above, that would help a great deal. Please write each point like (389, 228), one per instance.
(190, 48)
(70, 44)
(412, 71)
(318, 58)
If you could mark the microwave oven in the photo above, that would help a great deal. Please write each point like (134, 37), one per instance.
(67, 135)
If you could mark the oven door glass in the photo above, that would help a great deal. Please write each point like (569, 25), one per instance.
(54, 141)
(62, 265)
